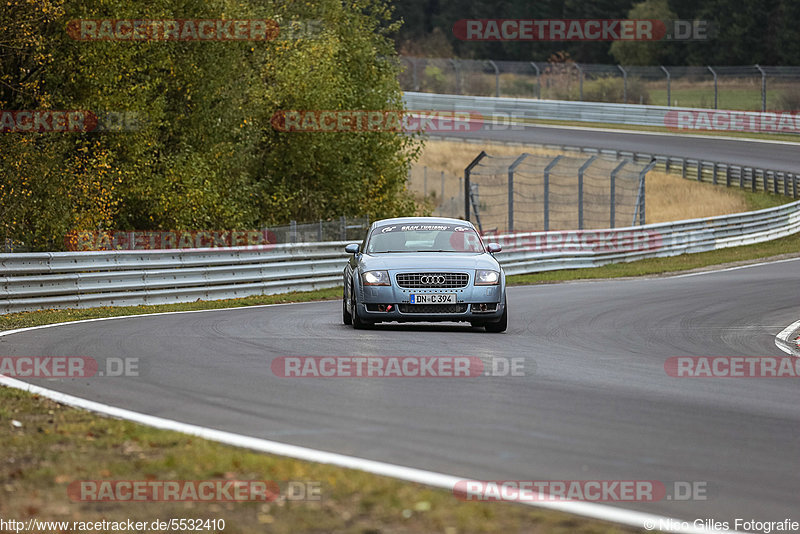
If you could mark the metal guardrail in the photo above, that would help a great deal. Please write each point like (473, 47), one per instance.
(523, 108)
(33, 281)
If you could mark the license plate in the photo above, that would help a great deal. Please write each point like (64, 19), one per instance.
(433, 298)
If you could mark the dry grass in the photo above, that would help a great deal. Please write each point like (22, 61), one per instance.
(668, 196)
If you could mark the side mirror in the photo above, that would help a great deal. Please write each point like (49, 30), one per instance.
(493, 247)
(352, 248)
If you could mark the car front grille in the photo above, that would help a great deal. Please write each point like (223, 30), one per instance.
(432, 280)
(432, 308)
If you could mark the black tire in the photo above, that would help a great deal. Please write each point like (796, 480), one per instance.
(501, 325)
(346, 317)
(358, 323)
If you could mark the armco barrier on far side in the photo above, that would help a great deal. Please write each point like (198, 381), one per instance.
(32, 281)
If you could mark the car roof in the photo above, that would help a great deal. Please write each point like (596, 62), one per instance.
(420, 220)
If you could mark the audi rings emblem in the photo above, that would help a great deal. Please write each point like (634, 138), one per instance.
(432, 279)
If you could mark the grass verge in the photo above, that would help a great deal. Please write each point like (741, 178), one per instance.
(56, 445)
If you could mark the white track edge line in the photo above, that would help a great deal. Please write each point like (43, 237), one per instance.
(409, 474)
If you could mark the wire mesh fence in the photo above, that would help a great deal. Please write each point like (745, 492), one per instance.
(747, 87)
(530, 192)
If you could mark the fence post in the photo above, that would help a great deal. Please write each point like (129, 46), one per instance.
(640, 195)
(467, 189)
(458, 77)
(416, 78)
(441, 200)
(715, 85)
(425, 182)
(343, 229)
(669, 79)
(580, 81)
(612, 195)
(624, 84)
(475, 198)
(763, 88)
(580, 189)
(319, 231)
(496, 78)
(547, 191)
(511, 169)
(292, 231)
(538, 80)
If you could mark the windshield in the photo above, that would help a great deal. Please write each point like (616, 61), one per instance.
(424, 238)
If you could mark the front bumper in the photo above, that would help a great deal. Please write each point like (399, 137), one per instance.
(470, 301)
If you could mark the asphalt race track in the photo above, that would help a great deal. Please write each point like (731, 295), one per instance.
(595, 402)
(748, 152)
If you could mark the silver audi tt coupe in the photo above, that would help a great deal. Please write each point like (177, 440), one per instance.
(424, 269)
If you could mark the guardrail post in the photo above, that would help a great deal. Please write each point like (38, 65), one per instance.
(763, 88)
(547, 191)
(785, 184)
(683, 167)
(752, 174)
(292, 231)
(794, 184)
(511, 169)
(666, 164)
(319, 231)
(714, 172)
(699, 171)
(467, 189)
(741, 177)
(669, 79)
(613, 194)
(764, 180)
(580, 189)
(715, 86)
(343, 227)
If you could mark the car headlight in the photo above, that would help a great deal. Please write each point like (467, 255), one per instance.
(376, 278)
(486, 278)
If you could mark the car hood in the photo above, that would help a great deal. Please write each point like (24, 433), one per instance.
(427, 261)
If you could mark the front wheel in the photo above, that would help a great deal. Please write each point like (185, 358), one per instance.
(501, 325)
(358, 323)
(346, 317)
